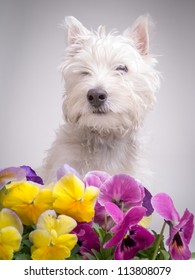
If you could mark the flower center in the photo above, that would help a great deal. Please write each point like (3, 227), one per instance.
(53, 237)
(178, 240)
(119, 203)
(128, 242)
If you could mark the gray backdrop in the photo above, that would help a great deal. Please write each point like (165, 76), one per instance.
(31, 47)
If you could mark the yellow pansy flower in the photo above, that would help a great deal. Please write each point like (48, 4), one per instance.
(11, 230)
(52, 240)
(28, 200)
(74, 199)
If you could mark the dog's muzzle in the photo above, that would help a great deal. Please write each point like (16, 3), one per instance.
(97, 97)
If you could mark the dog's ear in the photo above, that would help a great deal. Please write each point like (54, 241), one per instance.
(139, 32)
(75, 30)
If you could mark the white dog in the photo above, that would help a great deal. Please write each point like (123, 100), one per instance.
(110, 85)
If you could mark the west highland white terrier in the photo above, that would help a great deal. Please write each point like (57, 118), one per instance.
(110, 85)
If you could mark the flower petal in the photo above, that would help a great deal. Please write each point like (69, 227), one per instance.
(178, 248)
(121, 188)
(138, 239)
(142, 237)
(50, 253)
(65, 170)
(44, 200)
(80, 207)
(147, 202)
(91, 194)
(116, 239)
(20, 197)
(10, 240)
(9, 218)
(95, 178)
(164, 206)
(85, 212)
(11, 174)
(47, 220)
(67, 240)
(31, 175)
(131, 218)
(180, 236)
(186, 225)
(65, 205)
(145, 221)
(65, 224)
(114, 211)
(40, 238)
(6, 252)
(69, 186)
(88, 239)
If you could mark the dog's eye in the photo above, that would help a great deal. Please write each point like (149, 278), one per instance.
(85, 73)
(122, 68)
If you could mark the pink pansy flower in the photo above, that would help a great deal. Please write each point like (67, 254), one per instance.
(122, 190)
(130, 237)
(181, 229)
(96, 178)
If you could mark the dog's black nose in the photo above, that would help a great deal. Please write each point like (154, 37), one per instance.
(97, 97)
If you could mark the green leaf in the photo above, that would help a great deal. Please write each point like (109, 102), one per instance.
(107, 253)
(75, 250)
(27, 230)
(164, 255)
(90, 257)
(75, 257)
(27, 243)
(75, 254)
(3, 191)
(96, 254)
(22, 256)
(100, 232)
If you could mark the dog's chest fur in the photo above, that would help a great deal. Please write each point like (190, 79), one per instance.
(86, 149)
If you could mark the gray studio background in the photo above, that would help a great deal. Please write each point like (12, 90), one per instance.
(31, 47)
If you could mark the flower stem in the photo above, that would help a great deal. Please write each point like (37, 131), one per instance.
(105, 223)
(122, 206)
(158, 242)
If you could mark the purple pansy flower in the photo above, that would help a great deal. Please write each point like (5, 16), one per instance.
(130, 237)
(64, 170)
(181, 229)
(21, 173)
(11, 174)
(31, 175)
(147, 202)
(87, 239)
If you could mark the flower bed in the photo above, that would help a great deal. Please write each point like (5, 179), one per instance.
(101, 217)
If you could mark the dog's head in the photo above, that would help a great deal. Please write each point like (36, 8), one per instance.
(110, 80)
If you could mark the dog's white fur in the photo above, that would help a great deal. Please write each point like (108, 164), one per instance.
(105, 138)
